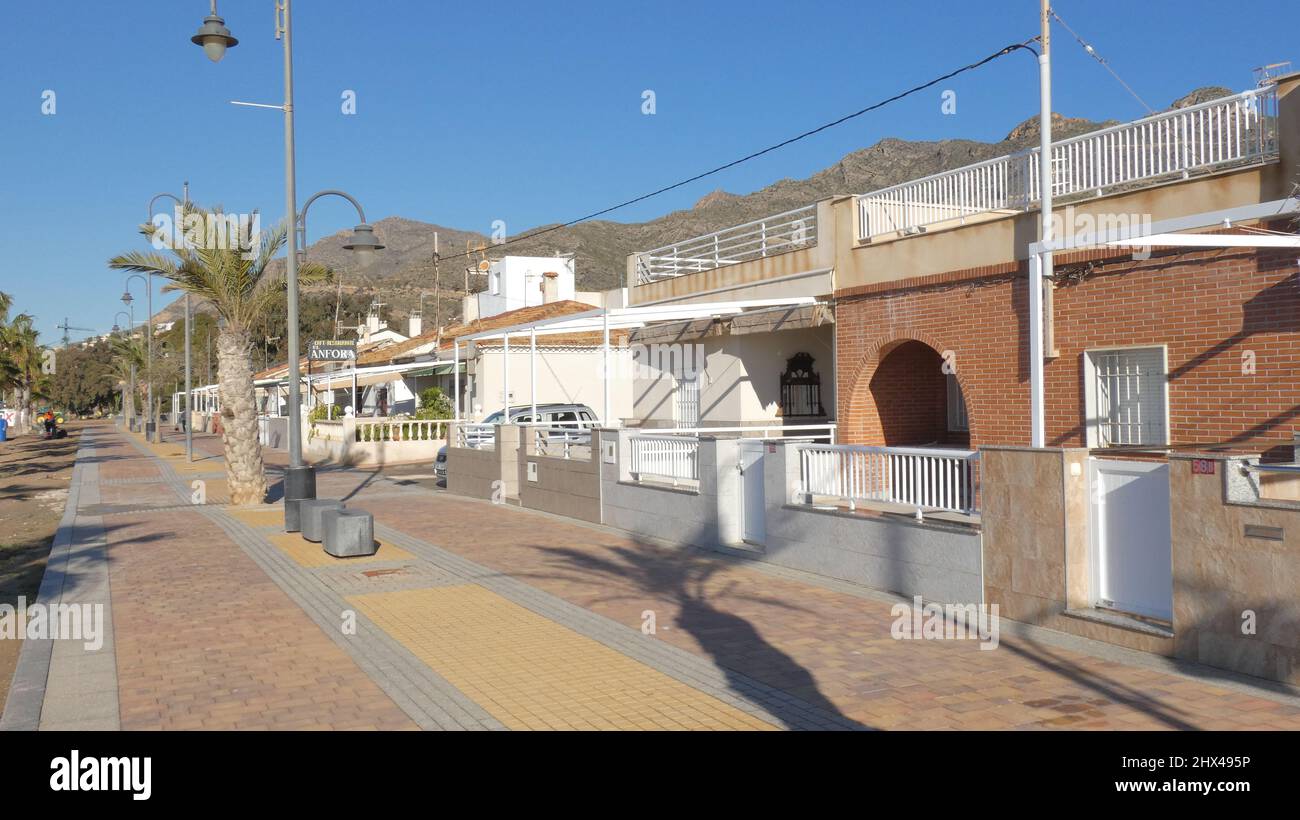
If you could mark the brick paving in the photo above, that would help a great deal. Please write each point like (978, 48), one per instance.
(482, 616)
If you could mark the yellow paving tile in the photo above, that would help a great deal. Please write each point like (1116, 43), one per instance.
(530, 672)
(309, 554)
(269, 516)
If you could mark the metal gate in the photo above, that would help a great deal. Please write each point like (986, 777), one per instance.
(1130, 539)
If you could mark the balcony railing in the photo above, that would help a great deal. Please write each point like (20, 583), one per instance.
(792, 230)
(1232, 131)
(922, 478)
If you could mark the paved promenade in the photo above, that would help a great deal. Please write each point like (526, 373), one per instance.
(481, 616)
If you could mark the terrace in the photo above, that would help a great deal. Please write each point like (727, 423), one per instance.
(1228, 134)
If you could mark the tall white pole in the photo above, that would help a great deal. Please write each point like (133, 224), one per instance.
(505, 378)
(455, 379)
(291, 262)
(532, 368)
(604, 365)
(1040, 269)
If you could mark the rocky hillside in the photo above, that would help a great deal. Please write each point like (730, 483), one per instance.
(405, 268)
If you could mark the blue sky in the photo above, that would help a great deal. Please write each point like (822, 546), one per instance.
(521, 111)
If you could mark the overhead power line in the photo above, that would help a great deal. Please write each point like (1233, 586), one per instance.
(874, 106)
(1105, 64)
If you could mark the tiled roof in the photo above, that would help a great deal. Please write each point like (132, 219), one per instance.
(520, 316)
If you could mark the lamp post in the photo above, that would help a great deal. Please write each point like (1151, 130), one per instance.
(150, 426)
(130, 328)
(215, 38)
(189, 330)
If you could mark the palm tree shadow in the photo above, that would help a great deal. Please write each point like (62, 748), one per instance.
(736, 647)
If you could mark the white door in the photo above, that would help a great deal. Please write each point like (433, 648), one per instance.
(1131, 560)
(753, 521)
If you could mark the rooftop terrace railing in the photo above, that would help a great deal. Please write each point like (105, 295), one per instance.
(792, 230)
(1240, 130)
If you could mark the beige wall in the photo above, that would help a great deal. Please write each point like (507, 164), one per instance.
(476, 473)
(1220, 572)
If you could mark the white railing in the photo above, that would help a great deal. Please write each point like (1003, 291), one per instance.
(400, 429)
(923, 478)
(674, 458)
(792, 230)
(1231, 131)
(476, 436)
(562, 442)
(813, 431)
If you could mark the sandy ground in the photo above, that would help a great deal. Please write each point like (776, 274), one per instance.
(34, 476)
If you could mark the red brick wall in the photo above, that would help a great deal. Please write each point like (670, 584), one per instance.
(1206, 306)
(909, 389)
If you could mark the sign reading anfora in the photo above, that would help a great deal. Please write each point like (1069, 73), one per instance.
(331, 351)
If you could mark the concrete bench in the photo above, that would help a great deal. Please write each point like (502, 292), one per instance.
(310, 512)
(349, 533)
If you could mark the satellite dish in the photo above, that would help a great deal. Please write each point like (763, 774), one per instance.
(484, 266)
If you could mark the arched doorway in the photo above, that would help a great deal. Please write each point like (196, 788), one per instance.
(917, 404)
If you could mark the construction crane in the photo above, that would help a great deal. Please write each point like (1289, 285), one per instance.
(66, 328)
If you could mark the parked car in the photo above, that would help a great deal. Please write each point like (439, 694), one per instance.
(576, 417)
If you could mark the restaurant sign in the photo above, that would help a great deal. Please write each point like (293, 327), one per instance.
(331, 351)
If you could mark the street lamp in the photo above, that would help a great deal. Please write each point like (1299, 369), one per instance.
(130, 327)
(150, 425)
(215, 38)
(179, 230)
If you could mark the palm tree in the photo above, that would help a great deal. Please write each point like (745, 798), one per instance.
(232, 272)
(21, 366)
(127, 351)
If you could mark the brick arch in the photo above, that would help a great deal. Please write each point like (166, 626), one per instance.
(860, 394)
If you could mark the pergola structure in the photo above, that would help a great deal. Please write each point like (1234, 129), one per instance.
(604, 320)
(1180, 232)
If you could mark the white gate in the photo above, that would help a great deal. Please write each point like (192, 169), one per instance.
(751, 495)
(1131, 561)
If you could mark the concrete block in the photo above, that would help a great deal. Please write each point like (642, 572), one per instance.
(348, 533)
(310, 512)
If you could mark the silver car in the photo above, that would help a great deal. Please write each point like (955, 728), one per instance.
(576, 417)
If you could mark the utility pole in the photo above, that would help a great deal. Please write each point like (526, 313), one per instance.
(437, 286)
(1040, 267)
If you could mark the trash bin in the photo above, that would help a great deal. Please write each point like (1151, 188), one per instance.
(4, 429)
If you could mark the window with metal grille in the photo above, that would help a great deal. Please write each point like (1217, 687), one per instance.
(1126, 403)
(957, 419)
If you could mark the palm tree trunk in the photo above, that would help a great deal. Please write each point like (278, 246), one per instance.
(245, 472)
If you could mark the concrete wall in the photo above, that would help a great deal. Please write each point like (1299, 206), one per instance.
(487, 474)
(1234, 553)
(686, 516)
(561, 486)
(938, 561)
(273, 432)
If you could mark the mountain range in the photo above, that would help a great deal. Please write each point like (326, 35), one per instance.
(405, 268)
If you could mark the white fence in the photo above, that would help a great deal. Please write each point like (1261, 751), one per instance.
(927, 479)
(476, 436)
(675, 458)
(1231, 131)
(782, 232)
(562, 442)
(400, 430)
